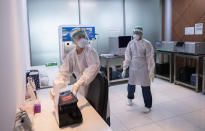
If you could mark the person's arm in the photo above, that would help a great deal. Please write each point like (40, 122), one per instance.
(93, 68)
(65, 71)
(128, 57)
(62, 79)
(150, 59)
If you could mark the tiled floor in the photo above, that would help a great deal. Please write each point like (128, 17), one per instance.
(175, 108)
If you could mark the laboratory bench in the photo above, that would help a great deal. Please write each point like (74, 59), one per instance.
(188, 62)
(197, 78)
(46, 121)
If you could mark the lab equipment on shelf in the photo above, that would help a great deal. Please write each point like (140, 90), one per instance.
(187, 58)
(195, 48)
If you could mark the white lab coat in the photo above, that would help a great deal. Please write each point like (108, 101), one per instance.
(139, 57)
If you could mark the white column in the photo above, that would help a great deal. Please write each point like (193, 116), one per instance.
(13, 39)
(168, 20)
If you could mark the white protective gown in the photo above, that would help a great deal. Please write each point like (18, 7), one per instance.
(85, 66)
(139, 57)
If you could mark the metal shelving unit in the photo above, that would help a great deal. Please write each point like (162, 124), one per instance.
(108, 65)
(170, 55)
(196, 87)
(203, 82)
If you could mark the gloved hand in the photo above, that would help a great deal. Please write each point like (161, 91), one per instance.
(151, 76)
(123, 73)
(52, 94)
(76, 86)
(60, 84)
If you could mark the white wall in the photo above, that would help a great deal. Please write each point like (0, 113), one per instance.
(146, 13)
(44, 17)
(106, 15)
(13, 39)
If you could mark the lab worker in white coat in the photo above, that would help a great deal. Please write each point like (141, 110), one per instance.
(83, 61)
(139, 57)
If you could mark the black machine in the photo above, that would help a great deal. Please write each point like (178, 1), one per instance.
(68, 110)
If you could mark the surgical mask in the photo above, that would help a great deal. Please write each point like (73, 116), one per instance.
(136, 37)
(83, 42)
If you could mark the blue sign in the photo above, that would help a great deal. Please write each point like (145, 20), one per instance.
(66, 32)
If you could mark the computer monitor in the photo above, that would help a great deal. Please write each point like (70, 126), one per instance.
(123, 41)
(118, 44)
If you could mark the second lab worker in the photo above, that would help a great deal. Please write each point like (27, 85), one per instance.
(139, 57)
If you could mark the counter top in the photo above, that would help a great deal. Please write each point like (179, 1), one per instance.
(46, 121)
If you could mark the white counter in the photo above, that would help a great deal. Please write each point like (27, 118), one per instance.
(45, 121)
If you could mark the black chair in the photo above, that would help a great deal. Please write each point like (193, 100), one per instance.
(97, 95)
